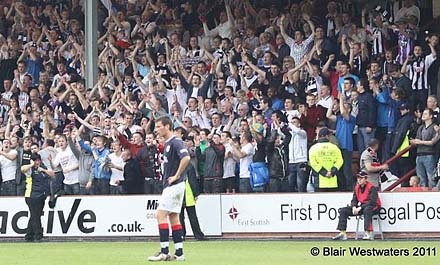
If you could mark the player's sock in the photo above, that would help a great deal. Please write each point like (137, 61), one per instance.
(164, 233)
(178, 239)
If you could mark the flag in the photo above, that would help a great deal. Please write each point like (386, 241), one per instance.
(108, 4)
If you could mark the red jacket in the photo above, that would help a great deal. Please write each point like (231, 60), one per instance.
(315, 114)
(134, 148)
(367, 197)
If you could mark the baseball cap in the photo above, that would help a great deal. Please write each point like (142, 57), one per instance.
(324, 132)
(362, 174)
(258, 128)
(404, 106)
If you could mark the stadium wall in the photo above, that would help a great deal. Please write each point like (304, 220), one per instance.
(240, 215)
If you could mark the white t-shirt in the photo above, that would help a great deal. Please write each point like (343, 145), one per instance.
(229, 163)
(325, 102)
(181, 96)
(66, 159)
(198, 118)
(116, 173)
(134, 128)
(9, 167)
(249, 150)
(223, 29)
(291, 114)
(57, 78)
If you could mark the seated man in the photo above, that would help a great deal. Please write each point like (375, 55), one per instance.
(365, 202)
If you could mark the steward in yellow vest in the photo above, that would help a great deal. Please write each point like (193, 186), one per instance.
(189, 203)
(325, 159)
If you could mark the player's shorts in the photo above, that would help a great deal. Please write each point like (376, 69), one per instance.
(171, 199)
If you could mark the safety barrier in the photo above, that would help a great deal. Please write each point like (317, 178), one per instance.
(122, 216)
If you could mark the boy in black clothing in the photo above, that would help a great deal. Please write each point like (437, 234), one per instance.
(133, 182)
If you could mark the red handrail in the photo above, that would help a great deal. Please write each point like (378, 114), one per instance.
(404, 177)
(398, 155)
(401, 179)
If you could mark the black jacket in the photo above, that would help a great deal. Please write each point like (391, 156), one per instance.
(147, 157)
(400, 131)
(133, 180)
(203, 90)
(40, 184)
(278, 156)
(405, 83)
(367, 110)
(192, 179)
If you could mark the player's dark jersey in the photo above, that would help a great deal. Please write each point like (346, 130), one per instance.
(174, 151)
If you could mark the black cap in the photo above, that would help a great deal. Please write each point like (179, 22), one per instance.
(324, 132)
(404, 106)
(362, 174)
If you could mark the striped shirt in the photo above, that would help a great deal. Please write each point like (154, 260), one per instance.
(314, 84)
(418, 72)
(378, 44)
(406, 46)
(23, 100)
(299, 50)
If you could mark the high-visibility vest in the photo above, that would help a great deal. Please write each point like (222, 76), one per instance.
(326, 155)
(405, 144)
(189, 196)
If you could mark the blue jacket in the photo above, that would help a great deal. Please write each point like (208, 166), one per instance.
(341, 81)
(383, 107)
(367, 110)
(394, 115)
(277, 104)
(100, 170)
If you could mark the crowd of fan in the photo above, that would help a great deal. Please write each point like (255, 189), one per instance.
(244, 82)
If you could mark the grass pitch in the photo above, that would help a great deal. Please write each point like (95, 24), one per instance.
(214, 252)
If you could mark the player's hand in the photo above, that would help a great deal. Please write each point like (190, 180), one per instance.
(172, 179)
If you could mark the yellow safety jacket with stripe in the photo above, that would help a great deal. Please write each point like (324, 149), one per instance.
(326, 157)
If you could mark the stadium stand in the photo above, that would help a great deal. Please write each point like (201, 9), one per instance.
(248, 84)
